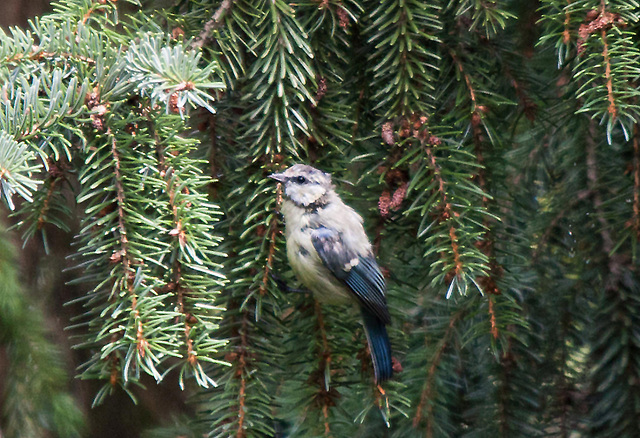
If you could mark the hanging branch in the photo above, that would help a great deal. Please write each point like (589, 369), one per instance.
(607, 73)
(447, 211)
(273, 227)
(211, 25)
(428, 392)
(241, 373)
(326, 393)
(177, 232)
(122, 256)
(566, 34)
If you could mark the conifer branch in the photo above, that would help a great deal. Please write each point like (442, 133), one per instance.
(563, 386)
(177, 231)
(447, 211)
(592, 184)
(506, 368)
(486, 245)
(123, 253)
(241, 373)
(110, 95)
(273, 232)
(45, 204)
(37, 54)
(211, 25)
(325, 388)
(467, 80)
(428, 392)
(120, 202)
(607, 72)
(88, 14)
(566, 33)
(492, 318)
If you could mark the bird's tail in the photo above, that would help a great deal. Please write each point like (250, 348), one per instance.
(379, 346)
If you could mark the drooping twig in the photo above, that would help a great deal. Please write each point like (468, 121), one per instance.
(123, 253)
(447, 208)
(428, 391)
(324, 395)
(607, 74)
(211, 25)
(172, 183)
(488, 282)
(566, 34)
(241, 374)
(273, 226)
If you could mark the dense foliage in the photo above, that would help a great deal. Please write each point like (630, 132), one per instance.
(491, 146)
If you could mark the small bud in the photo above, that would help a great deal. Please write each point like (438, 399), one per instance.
(398, 196)
(343, 17)
(177, 32)
(383, 203)
(387, 133)
(173, 103)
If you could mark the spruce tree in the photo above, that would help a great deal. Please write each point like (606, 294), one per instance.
(491, 147)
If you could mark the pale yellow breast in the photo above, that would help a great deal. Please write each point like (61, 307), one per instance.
(304, 259)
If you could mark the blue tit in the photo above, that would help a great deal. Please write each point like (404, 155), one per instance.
(331, 255)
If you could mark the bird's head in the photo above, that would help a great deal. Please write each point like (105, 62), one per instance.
(305, 185)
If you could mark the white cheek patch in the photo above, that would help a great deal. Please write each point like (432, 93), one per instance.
(305, 194)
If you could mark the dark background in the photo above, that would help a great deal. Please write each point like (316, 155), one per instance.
(17, 12)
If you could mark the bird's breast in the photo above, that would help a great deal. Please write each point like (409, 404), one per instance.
(310, 270)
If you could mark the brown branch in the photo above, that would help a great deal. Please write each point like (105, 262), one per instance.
(447, 209)
(122, 229)
(507, 361)
(86, 16)
(123, 254)
(489, 282)
(492, 313)
(592, 184)
(566, 34)
(325, 415)
(325, 394)
(240, 373)
(607, 74)
(428, 391)
(180, 235)
(454, 248)
(467, 79)
(214, 23)
(37, 55)
(273, 226)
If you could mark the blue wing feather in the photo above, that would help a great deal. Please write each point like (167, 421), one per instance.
(366, 282)
(364, 279)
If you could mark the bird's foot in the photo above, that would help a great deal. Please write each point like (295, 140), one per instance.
(284, 287)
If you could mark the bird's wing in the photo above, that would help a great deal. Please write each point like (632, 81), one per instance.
(360, 274)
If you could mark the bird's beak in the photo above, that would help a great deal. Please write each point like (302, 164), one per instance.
(278, 177)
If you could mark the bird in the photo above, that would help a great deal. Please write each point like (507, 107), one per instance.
(330, 254)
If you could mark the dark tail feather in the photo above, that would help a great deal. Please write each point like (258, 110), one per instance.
(379, 346)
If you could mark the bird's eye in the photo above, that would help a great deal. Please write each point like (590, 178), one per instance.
(301, 180)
